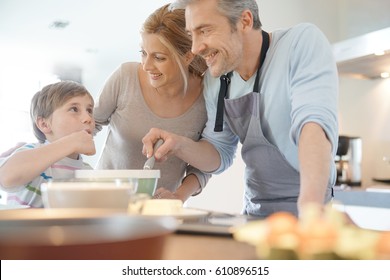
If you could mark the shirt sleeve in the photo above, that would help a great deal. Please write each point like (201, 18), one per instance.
(202, 177)
(314, 85)
(3, 160)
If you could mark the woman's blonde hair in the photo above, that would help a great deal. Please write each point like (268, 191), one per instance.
(169, 26)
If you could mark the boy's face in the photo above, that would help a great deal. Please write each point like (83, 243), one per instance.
(75, 115)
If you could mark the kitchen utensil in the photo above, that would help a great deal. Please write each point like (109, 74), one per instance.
(150, 161)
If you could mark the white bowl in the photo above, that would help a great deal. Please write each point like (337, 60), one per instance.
(84, 194)
(145, 180)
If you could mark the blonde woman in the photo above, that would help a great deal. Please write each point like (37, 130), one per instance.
(164, 91)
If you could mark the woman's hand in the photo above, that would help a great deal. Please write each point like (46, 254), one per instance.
(162, 193)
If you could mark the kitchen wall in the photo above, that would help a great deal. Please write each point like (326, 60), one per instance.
(365, 112)
(365, 104)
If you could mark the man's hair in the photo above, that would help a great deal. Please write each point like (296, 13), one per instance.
(232, 9)
(51, 97)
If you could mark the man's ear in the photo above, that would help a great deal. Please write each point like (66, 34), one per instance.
(247, 20)
(43, 125)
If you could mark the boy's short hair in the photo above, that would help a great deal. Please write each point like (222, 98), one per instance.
(51, 97)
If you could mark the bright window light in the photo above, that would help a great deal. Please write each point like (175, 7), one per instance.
(379, 53)
(20, 79)
(385, 75)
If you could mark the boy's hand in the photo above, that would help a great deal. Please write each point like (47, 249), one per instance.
(83, 142)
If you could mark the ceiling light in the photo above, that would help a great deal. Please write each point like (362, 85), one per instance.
(59, 24)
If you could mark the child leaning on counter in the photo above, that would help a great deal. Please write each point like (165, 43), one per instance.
(62, 117)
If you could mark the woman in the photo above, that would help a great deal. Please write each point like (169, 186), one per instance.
(163, 91)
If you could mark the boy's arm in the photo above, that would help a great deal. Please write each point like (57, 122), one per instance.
(24, 166)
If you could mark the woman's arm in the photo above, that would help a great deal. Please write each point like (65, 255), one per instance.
(189, 187)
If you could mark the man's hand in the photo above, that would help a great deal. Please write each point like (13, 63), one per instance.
(171, 142)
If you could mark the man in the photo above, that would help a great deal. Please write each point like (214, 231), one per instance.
(281, 104)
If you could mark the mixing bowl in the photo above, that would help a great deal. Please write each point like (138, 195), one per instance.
(145, 180)
(87, 194)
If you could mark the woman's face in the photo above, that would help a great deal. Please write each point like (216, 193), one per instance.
(159, 63)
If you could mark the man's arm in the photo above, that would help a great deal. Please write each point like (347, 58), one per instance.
(315, 157)
(200, 154)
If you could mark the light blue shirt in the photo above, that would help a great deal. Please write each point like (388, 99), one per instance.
(299, 83)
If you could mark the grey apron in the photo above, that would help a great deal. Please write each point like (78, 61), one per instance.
(272, 184)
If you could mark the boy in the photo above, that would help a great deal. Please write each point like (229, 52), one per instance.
(62, 117)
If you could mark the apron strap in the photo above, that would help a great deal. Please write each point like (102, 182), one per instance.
(225, 82)
(264, 49)
(223, 90)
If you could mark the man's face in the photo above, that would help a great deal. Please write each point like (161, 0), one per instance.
(213, 38)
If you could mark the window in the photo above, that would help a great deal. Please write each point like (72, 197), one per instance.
(17, 86)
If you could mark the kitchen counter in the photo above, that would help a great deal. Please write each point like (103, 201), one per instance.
(375, 196)
(368, 208)
(206, 247)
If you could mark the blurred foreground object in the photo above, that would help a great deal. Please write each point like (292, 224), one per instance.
(77, 234)
(318, 234)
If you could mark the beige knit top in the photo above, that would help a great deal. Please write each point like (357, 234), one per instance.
(122, 107)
